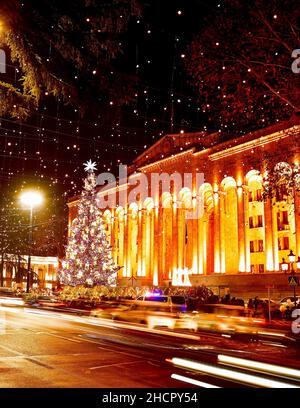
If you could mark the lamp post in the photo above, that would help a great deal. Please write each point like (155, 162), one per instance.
(292, 258)
(298, 263)
(30, 200)
(284, 266)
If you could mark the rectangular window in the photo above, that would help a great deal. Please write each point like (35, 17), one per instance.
(282, 220)
(250, 196)
(286, 243)
(257, 246)
(258, 195)
(251, 224)
(260, 221)
(261, 268)
(285, 218)
(279, 222)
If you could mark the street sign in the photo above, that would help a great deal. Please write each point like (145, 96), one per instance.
(293, 280)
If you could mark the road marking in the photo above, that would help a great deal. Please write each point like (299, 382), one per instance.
(12, 351)
(105, 348)
(60, 337)
(31, 360)
(115, 364)
(116, 351)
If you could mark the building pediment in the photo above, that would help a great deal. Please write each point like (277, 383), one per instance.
(175, 143)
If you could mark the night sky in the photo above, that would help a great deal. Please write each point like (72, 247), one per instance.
(48, 150)
(55, 141)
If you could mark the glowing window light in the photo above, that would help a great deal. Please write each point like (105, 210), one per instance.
(231, 375)
(181, 277)
(259, 366)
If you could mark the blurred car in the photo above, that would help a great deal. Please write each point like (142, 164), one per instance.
(274, 305)
(289, 299)
(227, 323)
(11, 301)
(176, 303)
(49, 301)
(223, 309)
(6, 291)
(155, 314)
(108, 309)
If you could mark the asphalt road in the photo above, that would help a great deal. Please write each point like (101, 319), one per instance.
(46, 349)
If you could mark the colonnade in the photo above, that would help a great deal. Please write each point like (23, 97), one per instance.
(224, 227)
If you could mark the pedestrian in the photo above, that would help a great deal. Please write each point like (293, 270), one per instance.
(265, 309)
(288, 313)
(255, 305)
(250, 307)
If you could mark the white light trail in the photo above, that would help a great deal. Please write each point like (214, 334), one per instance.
(231, 374)
(270, 368)
(192, 381)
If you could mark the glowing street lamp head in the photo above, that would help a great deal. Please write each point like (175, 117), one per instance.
(31, 199)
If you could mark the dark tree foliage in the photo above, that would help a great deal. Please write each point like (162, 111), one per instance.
(241, 63)
(64, 47)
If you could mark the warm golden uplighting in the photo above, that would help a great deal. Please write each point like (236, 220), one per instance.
(31, 199)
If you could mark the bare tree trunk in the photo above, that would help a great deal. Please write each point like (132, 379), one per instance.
(18, 270)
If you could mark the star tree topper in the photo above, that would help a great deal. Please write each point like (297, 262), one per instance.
(90, 166)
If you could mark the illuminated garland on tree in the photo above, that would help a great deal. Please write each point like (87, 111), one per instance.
(88, 258)
(281, 182)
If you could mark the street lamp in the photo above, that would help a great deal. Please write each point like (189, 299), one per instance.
(30, 200)
(284, 265)
(292, 258)
(298, 263)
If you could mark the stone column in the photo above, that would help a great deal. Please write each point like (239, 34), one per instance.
(269, 235)
(126, 261)
(201, 260)
(152, 242)
(155, 245)
(144, 243)
(180, 237)
(175, 237)
(247, 241)
(140, 243)
(217, 235)
(297, 221)
(195, 237)
(275, 239)
(241, 230)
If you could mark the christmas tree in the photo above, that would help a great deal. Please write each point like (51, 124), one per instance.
(88, 258)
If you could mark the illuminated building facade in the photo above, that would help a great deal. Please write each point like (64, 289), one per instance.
(240, 232)
(44, 270)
